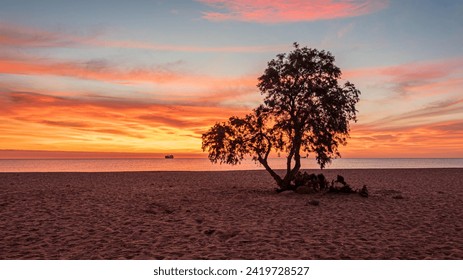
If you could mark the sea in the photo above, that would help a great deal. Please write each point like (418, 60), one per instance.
(203, 164)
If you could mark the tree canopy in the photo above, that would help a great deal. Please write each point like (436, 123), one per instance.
(305, 110)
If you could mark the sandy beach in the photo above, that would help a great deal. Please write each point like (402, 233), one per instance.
(410, 214)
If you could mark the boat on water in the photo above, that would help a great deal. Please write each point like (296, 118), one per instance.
(169, 156)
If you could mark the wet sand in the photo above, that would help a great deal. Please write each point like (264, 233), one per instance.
(410, 214)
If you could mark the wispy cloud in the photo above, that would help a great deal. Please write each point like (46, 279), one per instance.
(92, 69)
(188, 48)
(418, 112)
(275, 11)
(27, 37)
(23, 36)
(19, 101)
(78, 124)
(170, 81)
(393, 93)
(434, 112)
(419, 78)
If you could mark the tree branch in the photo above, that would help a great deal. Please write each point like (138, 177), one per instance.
(275, 176)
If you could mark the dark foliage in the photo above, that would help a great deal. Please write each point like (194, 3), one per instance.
(364, 191)
(318, 183)
(305, 110)
(314, 182)
(340, 186)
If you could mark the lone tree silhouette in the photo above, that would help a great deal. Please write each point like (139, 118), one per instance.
(305, 110)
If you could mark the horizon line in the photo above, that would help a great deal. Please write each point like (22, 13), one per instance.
(10, 154)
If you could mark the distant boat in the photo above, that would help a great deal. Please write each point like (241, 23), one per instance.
(169, 156)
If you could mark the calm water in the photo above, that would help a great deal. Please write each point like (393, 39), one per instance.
(99, 165)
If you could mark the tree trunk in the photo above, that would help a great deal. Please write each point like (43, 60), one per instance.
(274, 175)
(297, 165)
(291, 172)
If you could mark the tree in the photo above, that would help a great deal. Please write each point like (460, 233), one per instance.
(305, 110)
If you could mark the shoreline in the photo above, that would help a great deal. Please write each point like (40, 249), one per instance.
(229, 215)
(122, 165)
(311, 170)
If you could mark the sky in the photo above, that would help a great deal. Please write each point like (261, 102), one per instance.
(146, 78)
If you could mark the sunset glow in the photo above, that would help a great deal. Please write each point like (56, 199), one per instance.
(147, 79)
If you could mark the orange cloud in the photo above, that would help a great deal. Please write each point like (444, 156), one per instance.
(33, 121)
(432, 140)
(274, 11)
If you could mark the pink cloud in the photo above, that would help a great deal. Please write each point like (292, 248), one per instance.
(224, 92)
(274, 11)
(423, 78)
(423, 70)
(101, 70)
(91, 70)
